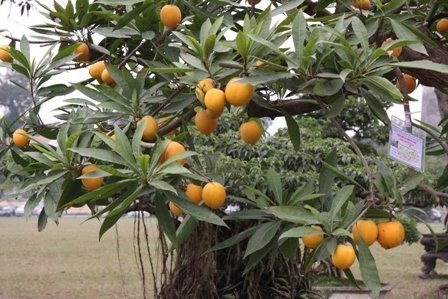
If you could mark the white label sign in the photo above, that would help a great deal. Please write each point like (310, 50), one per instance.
(406, 148)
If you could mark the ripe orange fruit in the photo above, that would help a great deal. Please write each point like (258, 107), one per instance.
(409, 82)
(206, 84)
(175, 209)
(20, 138)
(390, 234)
(215, 100)
(311, 241)
(204, 123)
(237, 93)
(194, 192)
(367, 230)
(343, 256)
(82, 52)
(173, 148)
(442, 26)
(362, 4)
(395, 52)
(251, 132)
(106, 78)
(91, 183)
(4, 54)
(214, 195)
(170, 16)
(96, 69)
(151, 128)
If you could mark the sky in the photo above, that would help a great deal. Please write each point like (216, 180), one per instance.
(18, 25)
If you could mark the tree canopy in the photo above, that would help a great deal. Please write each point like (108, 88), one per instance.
(151, 68)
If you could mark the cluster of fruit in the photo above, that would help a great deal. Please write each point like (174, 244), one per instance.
(389, 234)
(213, 101)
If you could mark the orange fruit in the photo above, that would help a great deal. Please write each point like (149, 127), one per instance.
(91, 183)
(170, 16)
(442, 26)
(215, 100)
(206, 84)
(82, 52)
(151, 128)
(20, 138)
(362, 4)
(97, 69)
(390, 234)
(106, 78)
(172, 149)
(311, 241)
(214, 195)
(409, 82)
(251, 132)
(343, 256)
(204, 123)
(238, 93)
(175, 209)
(367, 230)
(4, 54)
(194, 192)
(395, 52)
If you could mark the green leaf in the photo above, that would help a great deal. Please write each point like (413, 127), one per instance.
(299, 33)
(327, 87)
(186, 228)
(297, 215)
(293, 130)
(422, 64)
(340, 199)
(103, 192)
(262, 236)
(108, 222)
(40, 180)
(164, 218)
(118, 2)
(100, 154)
(242, 44)
(42, 220)
(199, 212)
(257, 256)
(368, 268)
(287, 6)
(289, 248)
(301, 231)
(235, 239)
(361, 33)
(382, 87)
(275, 184)
(339, 173)
(162, 186)
(403, 32)
(247, 214)
(376, 106)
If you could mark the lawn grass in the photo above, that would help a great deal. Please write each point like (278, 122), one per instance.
(68, 261)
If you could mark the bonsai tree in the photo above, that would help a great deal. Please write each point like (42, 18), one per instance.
(151, 70)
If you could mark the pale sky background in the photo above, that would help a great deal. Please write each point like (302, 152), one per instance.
(18, 25)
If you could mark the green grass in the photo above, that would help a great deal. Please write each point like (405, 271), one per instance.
(68, 261)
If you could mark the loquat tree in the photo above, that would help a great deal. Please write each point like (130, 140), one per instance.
(156, 72)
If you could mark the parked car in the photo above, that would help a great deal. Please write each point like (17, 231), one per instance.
(8, 211)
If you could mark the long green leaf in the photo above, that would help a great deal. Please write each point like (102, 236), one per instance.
(235, 239)
(262, 236)
(368, 268)
(293, 130)
(294, 214)
(275, 185)
(340, 199)
(164, 219)
(100, 154)
(301, 231)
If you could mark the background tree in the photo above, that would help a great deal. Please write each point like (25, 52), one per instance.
(154, 67)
